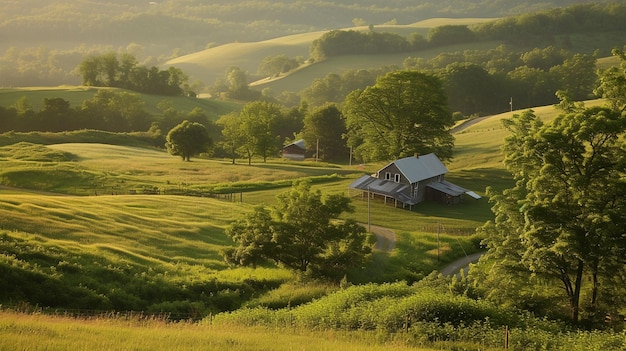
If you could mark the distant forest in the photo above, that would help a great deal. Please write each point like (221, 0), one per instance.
(160, 22)
(45, 45)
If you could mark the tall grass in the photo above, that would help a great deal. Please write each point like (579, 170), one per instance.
(41, 332)
(423, 315)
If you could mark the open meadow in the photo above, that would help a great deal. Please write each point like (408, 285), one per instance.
(112, 228)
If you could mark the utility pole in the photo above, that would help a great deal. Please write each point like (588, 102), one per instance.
(369, 217)
(317, 150)
(350, 162)
(438, 245)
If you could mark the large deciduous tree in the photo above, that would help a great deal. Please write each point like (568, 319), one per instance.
(469, 87)
(259, 123)
(299, 232)
(613, 83)
(188, 139)
(232, 134)
(324, 130)
(565, 218)
(403, 113)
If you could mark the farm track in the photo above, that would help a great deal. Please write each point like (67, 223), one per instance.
(468, 124)
(385, 238)
(386, 241)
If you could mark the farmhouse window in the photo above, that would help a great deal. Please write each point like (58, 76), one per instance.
(396, 178)
(387, 176)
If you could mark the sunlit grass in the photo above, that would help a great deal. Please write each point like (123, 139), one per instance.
(40, 332)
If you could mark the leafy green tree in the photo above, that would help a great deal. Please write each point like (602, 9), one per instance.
(326, 126)
(56, 116)
(188, 139)
(403, 113)
(108, 70)
(291, 121)
(544, 59)
(299, 233)
(450, 34)
(259, 121)
(110, 67)
(531, 85)
(232, 135)
(323, 90)
(275, 65)
(613, 84)
(469, 87)
(565, 218)
(237, 79)
(116, 111)
(577, 75)
(91, 71)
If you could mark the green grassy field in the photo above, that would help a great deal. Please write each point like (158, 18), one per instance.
(40, 332)
(162, 252)
(77, 94)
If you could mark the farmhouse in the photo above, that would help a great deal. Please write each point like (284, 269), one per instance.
(411, 180)
(294, 151)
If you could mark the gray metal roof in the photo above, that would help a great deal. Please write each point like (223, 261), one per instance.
(298, 143)
(452, 189)
(416, 169)
(392, 189)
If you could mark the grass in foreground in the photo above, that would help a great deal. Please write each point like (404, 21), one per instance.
(40, 332)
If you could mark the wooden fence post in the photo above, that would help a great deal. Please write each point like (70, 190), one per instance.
(506, 337)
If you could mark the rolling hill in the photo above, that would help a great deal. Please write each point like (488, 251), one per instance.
(209, 64)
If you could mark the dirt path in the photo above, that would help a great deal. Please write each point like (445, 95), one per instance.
(456, 266)
(386, 241)
(385, 238)
(468, 124)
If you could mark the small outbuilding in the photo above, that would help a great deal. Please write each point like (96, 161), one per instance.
(411, 180)
(294, 151)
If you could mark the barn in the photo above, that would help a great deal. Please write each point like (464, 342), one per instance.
(294, 151)
(411, 180)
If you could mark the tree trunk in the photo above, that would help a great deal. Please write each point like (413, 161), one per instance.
(573, 290)
(594, 289)
(575, 301)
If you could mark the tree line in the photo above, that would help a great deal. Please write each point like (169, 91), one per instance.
(162, 24)
(107, 110)
(108, 70)
(478, 82)
(524, 30)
